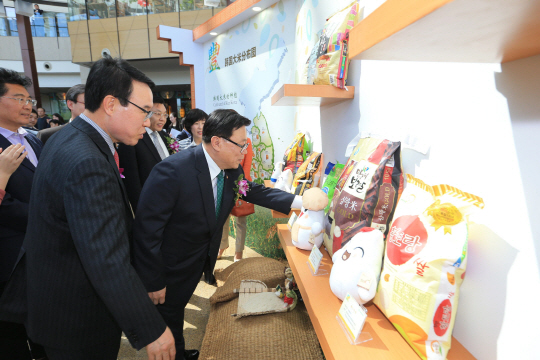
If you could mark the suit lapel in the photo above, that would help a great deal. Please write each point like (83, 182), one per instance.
(228, 194)
(5, 143)
(104, 147)
(207, 191)
(151, 146)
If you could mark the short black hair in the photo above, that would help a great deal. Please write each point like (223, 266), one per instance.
(158, 100)
(60, 118)
(8, 76)
(74, 92)
(34, 111)
(55, 122)
(114, 77)
(192, 117)
(222, 122)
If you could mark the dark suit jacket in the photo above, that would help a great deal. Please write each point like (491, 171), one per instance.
(138, 161)
(176, 230)
(82, 288)
(14, 208)
(45, 134)
(42, 123)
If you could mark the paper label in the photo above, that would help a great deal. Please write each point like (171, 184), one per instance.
(292, 220)
(365, 280)
(315, 258)
(353, 316)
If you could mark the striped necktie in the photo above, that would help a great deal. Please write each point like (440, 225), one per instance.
(219, 196)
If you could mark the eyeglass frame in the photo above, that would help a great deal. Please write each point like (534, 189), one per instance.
(242, 148)
(28, 101)
(166, 115)
(148, 113)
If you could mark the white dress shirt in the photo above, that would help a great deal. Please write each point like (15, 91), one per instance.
(160, 141)
(215, 170)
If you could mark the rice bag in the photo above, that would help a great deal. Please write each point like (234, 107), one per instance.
(305, 176)
(366, 193)
(424, 265)
(332, 54)
(295, 153)
(330, 183)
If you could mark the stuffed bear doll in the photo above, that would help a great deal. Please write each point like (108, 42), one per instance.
(357, 266)
(308, 228)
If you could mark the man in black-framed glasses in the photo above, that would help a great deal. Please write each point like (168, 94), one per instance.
(182, 209)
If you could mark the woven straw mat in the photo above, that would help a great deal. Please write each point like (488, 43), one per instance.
(262, 337)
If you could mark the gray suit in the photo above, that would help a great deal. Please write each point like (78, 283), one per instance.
(82, 289)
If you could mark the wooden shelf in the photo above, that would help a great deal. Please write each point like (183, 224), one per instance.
(310, 95)
(487, 31)
(277, 214)
(323, 307)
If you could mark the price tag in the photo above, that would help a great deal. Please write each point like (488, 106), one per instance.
(353, 316)
(315, 258)
(292, 220)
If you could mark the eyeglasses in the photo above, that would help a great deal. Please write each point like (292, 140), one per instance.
(148, 113)
(22, 101)
(242, 147)
(162, 115)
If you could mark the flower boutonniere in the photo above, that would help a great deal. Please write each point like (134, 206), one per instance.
(242, 187)
(172, 145)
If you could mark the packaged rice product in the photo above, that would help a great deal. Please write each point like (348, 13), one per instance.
(305, 177)
(295, 153)
(366, 193)
(330, 183)
(332, 52)
(424, 265)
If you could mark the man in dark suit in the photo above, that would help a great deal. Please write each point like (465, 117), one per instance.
(137, 161)
(15, 109)
(82, 290)
(75, 103)
(183, 205)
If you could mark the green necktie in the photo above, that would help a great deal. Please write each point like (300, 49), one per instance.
(219, 195)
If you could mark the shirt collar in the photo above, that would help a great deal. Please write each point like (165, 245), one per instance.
(212, 166)
(149, 131)
(102, 132)
(7, 133)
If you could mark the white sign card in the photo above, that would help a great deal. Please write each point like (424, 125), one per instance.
(175, 133)
(292, 220)
(352, 317)
(315, 258)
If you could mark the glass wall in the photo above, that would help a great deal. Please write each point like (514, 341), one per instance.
(48, 24)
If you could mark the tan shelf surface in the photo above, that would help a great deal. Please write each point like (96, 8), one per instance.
(277, 214)
(310, 95)
(323, 306)
(491, 31)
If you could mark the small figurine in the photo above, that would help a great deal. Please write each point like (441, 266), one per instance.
(290, 300)
(289, 281)
(308, 228)
(279, 292)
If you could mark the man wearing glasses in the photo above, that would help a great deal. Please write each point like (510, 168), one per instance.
(15, 109)
(82, 289)
(75, 103)
(138, 161)
(182, 209)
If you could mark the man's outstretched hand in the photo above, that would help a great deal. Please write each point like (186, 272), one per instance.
(158, 297)
(163, 348)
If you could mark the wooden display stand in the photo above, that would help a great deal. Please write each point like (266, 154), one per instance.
(311, 95)
(277, 214)
(323, 306)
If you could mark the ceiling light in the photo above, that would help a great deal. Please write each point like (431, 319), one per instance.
(213, 33)
(256, 8)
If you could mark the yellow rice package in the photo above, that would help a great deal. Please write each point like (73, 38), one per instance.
(295, 153)
(366, 193)
(332, 53)
(308, 174)
(424, 265)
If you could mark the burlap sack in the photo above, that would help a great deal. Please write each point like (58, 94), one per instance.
(262, 337)
(269, 271)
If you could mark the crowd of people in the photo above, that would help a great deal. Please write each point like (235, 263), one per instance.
(107, 223)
